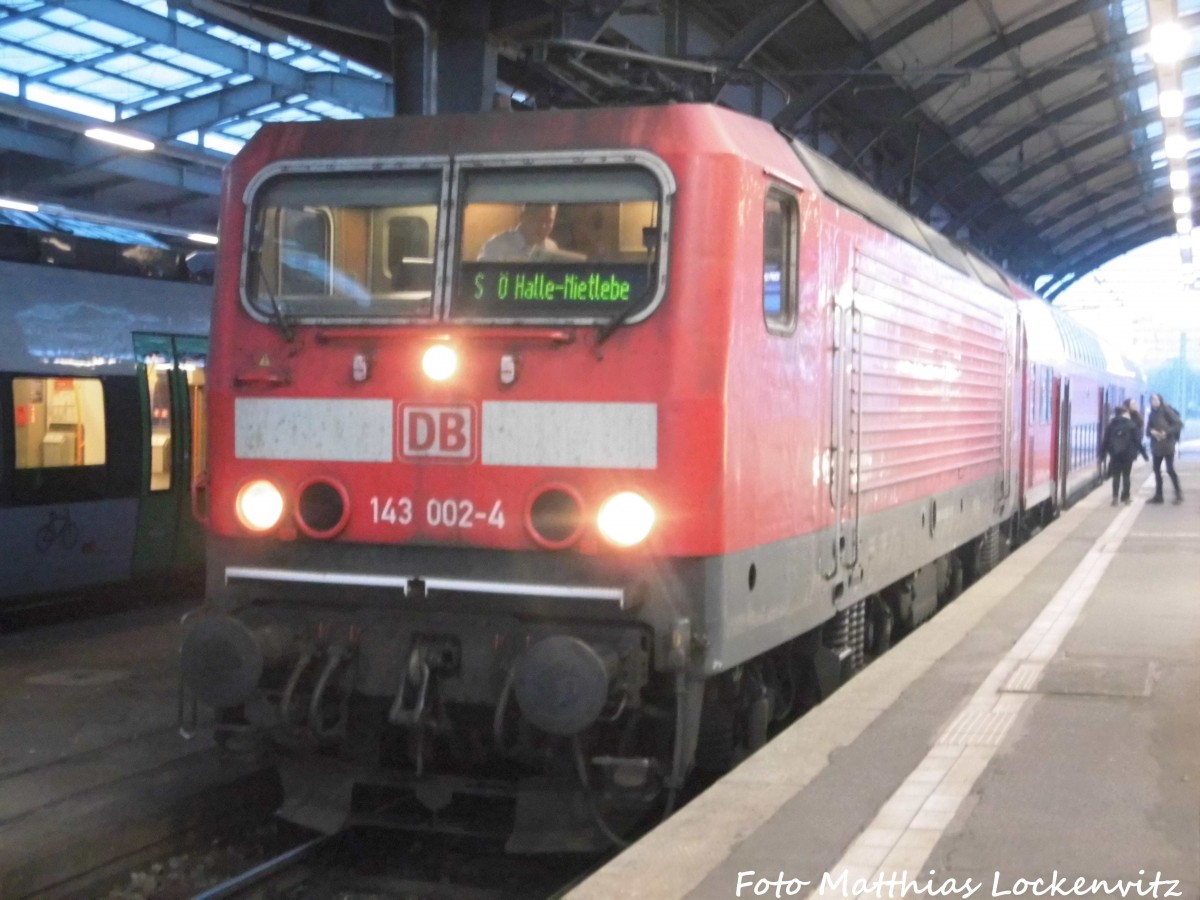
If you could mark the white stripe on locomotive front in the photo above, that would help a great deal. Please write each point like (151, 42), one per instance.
(552, 435)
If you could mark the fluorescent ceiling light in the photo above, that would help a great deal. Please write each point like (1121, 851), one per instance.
(203, 238)
(1180, 179)
(121, 140)
(1170, 104)
(18, 205)
(1182, 205)
(1176, 146)
(1168, 42)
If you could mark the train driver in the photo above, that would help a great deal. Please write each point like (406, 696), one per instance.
(530, 240)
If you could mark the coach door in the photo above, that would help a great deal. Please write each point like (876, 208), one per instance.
(1062, 438)
(170, 372)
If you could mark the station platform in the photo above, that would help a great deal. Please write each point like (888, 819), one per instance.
(1039, 737)
(92, 767)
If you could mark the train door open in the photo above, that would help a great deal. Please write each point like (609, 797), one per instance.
(170, 373)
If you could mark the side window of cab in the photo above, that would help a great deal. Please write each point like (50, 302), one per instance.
(780, 245)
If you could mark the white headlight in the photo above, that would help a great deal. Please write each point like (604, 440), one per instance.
(440, 362)
(259, 505)
(625, 518)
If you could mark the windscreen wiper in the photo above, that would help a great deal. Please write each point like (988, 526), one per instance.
(609, 328)
(281, 319)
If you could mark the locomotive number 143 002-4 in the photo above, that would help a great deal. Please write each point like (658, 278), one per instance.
(436, 512)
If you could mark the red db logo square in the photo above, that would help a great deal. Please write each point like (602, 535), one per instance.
(437, 432)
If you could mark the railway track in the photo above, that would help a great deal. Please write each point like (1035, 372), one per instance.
(381, 864)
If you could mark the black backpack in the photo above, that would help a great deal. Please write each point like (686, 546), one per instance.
(1122, 438)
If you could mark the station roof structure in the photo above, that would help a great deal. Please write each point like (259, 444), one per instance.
(1051, 135)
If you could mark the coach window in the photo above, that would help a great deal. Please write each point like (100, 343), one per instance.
(59, 423)
(544, 244)
(779, 261)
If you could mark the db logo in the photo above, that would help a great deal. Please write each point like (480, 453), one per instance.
(436, 432)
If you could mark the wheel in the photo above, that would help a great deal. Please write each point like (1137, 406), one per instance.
(880, 625)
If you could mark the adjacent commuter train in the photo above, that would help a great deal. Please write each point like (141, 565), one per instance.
(101, 421)
(540, 535)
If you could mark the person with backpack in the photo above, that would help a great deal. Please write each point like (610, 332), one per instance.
(1163, 427)
(1122, 444)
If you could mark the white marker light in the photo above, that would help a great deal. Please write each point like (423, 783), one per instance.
(440, 362)
(1182, 205)
(259, 505)
(625, 519)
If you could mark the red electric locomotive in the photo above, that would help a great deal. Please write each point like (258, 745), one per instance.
(554, 455)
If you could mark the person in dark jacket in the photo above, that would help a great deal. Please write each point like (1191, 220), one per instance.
(1163, 427)
(1122, 444)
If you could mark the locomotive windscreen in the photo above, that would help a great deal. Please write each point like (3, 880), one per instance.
(552, 243)
(530, 242)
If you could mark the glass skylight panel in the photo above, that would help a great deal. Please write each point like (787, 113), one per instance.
(1187, 7)
(223, 144)
(71, 102)
(186, 18)
(1189, 80)
(309, 64)
(64, 44)
(1154, 129)
(291, 114)
(118, 37)
(330, 110)
(160, 102)
(240, 128)
(113, 89)
(62, 17)
(1136, 15)
(1148, 96)
(23, 30)
(360, 69)
(188, 61)
(241, 78)
(9, 86)
(201, 89)
(232, 37)
(157, 75)
(26, 62)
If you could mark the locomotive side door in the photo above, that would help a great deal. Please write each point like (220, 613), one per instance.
(845, 427)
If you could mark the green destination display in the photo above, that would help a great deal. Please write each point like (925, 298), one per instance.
(549, 289)
(521, 286)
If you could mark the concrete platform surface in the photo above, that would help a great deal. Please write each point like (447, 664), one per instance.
(1039, 737)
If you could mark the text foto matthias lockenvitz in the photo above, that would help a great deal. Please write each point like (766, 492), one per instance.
(900, 884)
